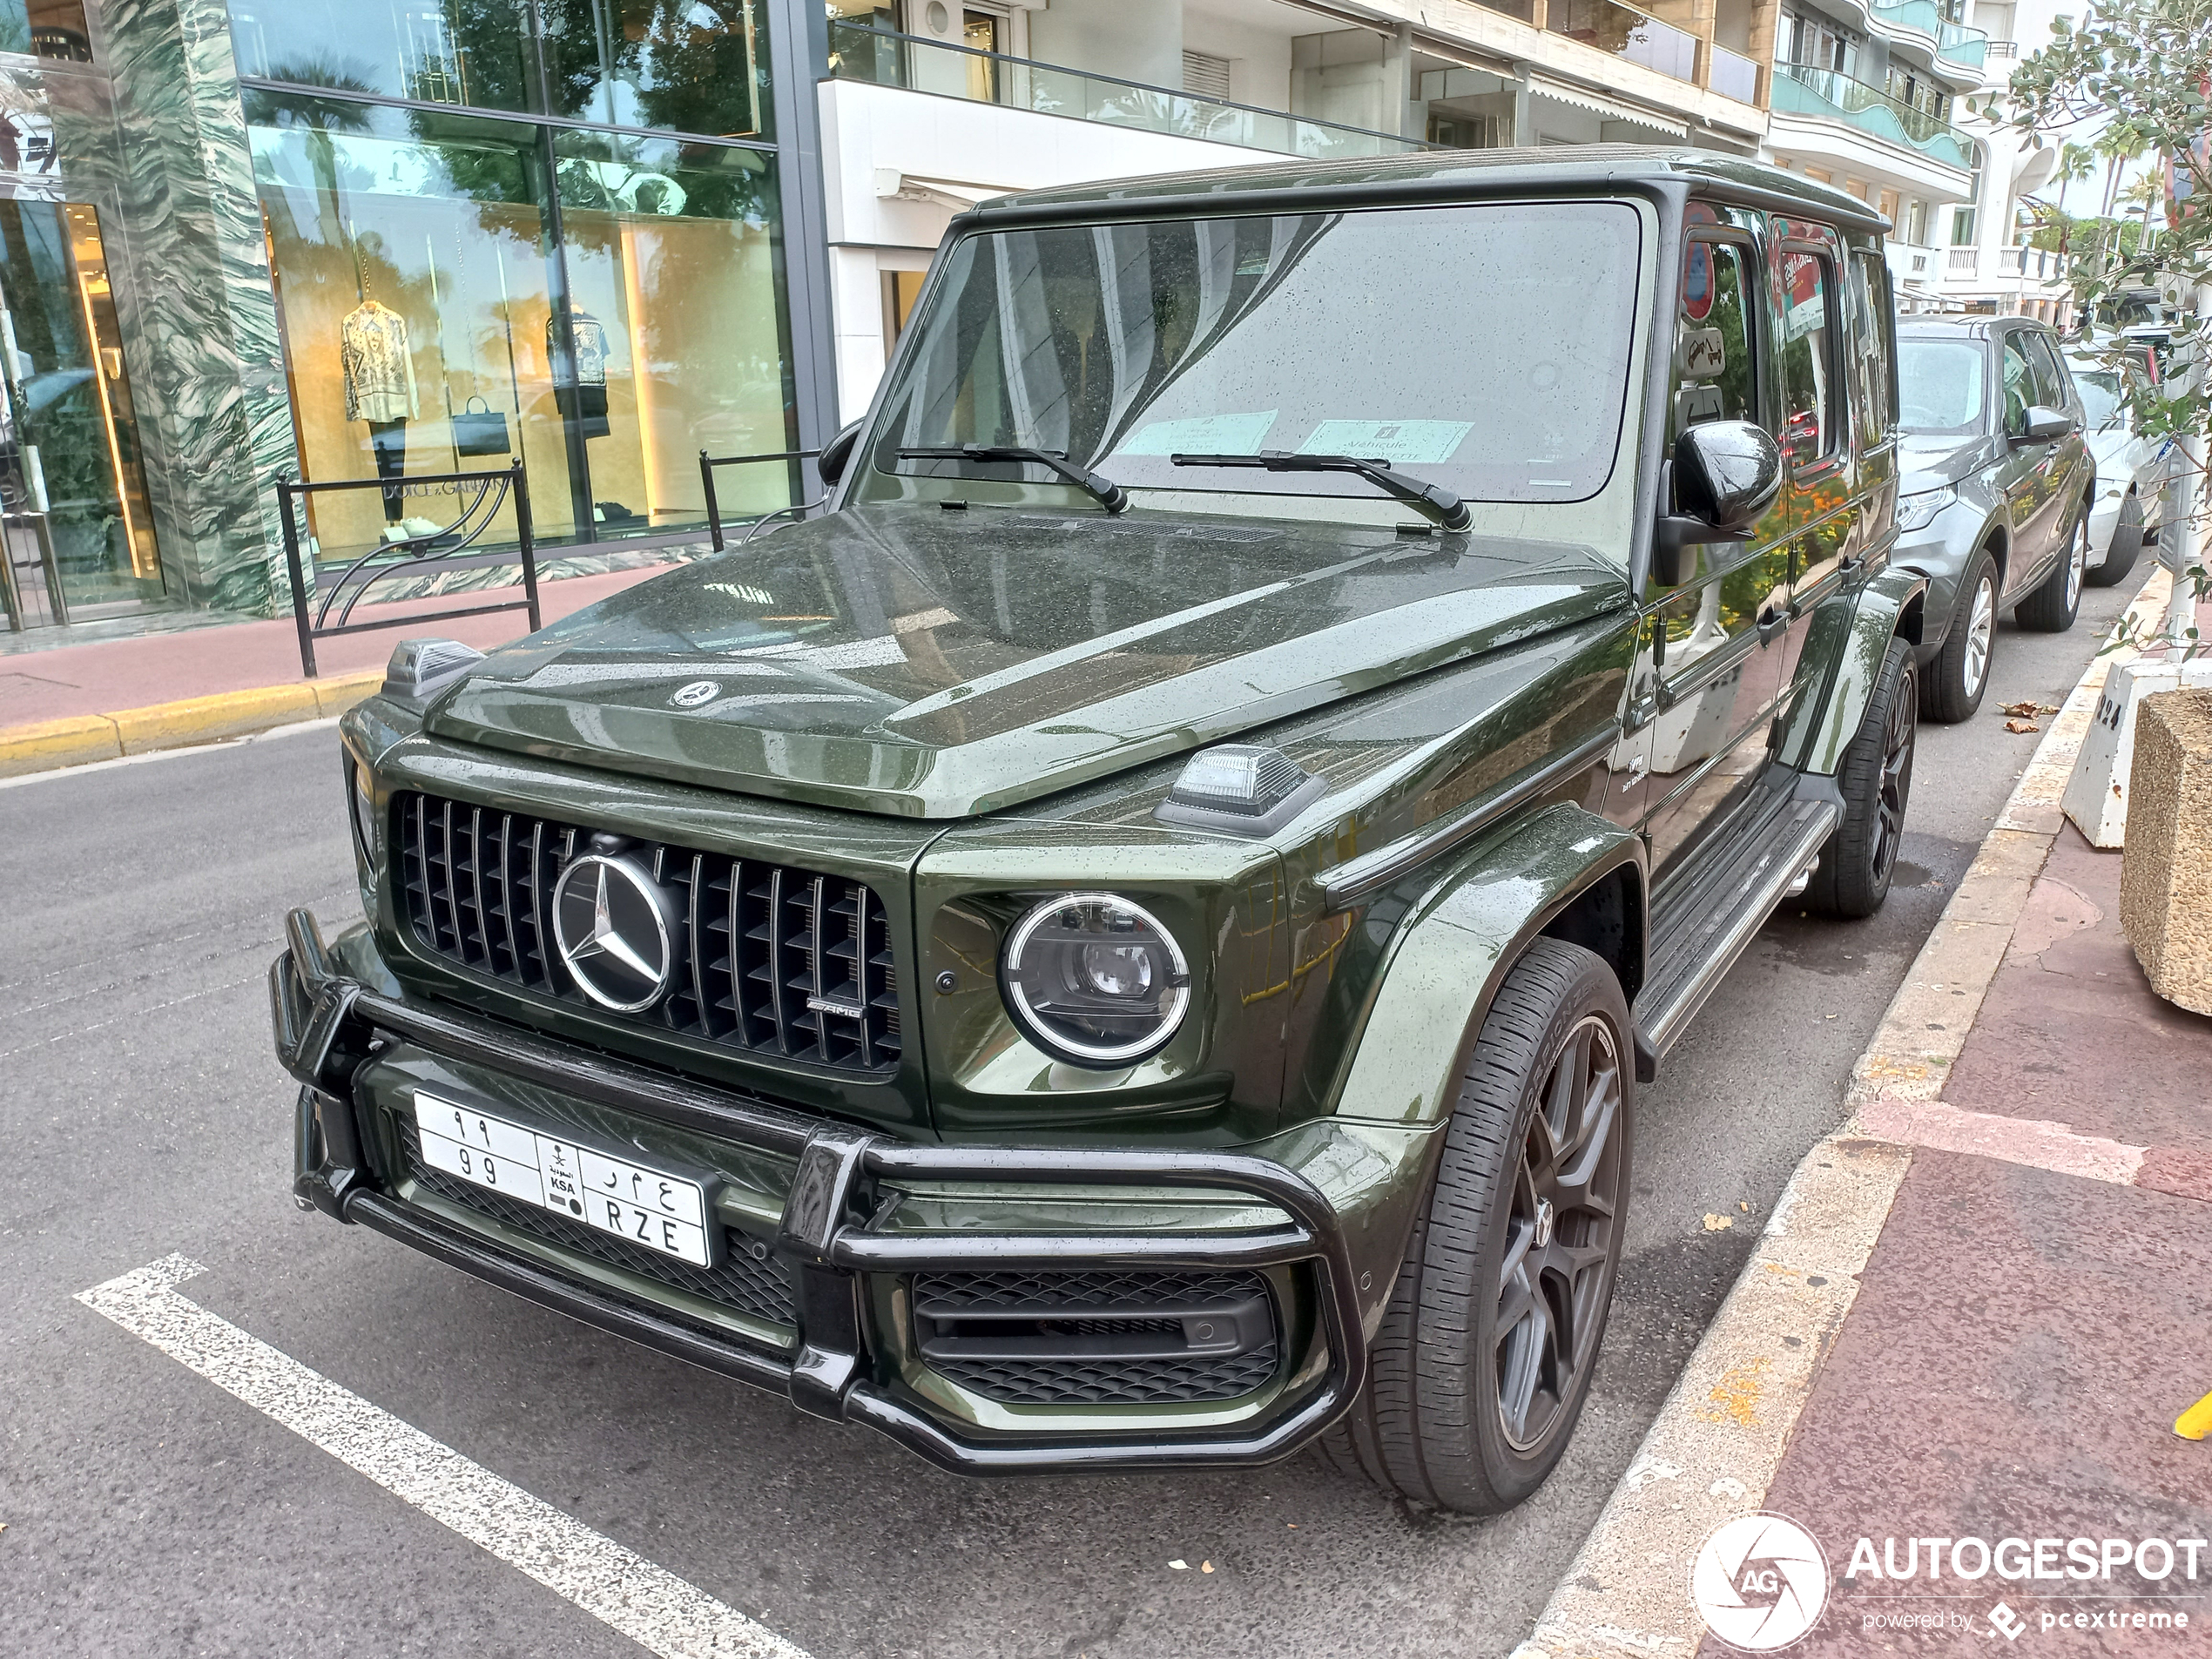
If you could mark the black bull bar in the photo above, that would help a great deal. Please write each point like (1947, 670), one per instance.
(326, 1023)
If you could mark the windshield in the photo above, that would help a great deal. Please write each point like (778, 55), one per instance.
(1124, 345)
(1938, 385)
(2100, 390)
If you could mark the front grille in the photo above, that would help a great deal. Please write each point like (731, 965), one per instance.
(774, 959)
(1099, 1338)
(748, 1280)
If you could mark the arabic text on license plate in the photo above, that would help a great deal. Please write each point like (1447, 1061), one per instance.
(663, 1212)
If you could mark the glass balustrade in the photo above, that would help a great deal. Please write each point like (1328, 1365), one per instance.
(860, 53)
(1735, 76)
(1626, 32)
(1802, 90)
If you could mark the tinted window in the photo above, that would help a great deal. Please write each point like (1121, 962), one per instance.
(1807, 356)
(1713, 365)
(1874, 396)
(1124, 345)
(1940, 385)
(2053, 390)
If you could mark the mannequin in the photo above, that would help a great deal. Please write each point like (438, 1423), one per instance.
(379, 365)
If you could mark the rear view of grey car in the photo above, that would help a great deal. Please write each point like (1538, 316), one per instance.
(1994, 504)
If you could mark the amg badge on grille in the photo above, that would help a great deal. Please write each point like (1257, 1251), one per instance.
(616, 931)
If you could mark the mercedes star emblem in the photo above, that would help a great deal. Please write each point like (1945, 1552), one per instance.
(616, 931)
(691, 696)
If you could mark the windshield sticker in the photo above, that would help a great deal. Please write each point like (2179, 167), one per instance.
(1697, 282)
(1218, 435)
(1704, 353)
(1409, 443)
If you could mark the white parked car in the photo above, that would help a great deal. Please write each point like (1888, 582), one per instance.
(2131, 473)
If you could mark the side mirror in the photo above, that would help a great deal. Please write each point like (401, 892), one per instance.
(1725, 475)
(837, 454)
(2043, 425)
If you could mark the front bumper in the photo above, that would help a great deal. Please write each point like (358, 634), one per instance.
(329, 1027)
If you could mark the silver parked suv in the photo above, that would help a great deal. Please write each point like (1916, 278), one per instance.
(1998, 483)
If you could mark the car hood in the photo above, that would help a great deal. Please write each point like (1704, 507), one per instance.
(1929, 461)
(911, 660)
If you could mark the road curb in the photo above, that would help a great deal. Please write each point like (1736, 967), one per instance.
(48, 746)
(1712, 1452)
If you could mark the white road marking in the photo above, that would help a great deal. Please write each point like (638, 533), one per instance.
(623, 1590)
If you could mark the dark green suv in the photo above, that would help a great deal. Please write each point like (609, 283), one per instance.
(1130, 941)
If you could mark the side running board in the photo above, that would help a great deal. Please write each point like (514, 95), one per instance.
(1691, 961)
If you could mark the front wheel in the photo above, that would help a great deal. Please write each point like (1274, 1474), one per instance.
(1485, 1354)
(1959, 673)
(1860, 854)
(2054, 605)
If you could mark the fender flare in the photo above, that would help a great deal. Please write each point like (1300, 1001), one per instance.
(1821, 728)
(1454, 951)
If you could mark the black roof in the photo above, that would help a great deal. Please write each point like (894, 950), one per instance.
(1437, 174)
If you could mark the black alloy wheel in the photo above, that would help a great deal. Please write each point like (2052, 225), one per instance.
(1557, 1276)
(1489, 1339)
(1860, 855)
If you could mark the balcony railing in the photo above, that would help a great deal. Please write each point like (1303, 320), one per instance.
(1801, 90)
(858, 53)
(1626, 32)
(1962, 261)
(1953, 42)
(1735, 76)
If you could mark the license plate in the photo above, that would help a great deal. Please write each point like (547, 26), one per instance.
(663, 1212)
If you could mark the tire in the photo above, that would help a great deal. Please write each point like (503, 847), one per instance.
(1952, 688)
(2126, 542)
(1434, 1425)
(1860, 853)
(2055, 602)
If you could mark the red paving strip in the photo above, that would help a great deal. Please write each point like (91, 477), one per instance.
(2071, 1033)
(75, 680)
(2019, 1347)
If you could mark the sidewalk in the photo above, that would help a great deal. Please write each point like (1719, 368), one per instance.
(1976, 1314)
(75, 704)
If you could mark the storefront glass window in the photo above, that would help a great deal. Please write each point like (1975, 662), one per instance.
(687, 65)
(423, 265)
(70, 479)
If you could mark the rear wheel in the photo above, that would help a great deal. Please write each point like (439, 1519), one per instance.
(2126, 542)
(1486, 1351)
(1856, 864)
(1959, 673)
(2054, 605)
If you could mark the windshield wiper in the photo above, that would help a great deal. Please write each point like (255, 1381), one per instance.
(1110, 495)
(1432, 501)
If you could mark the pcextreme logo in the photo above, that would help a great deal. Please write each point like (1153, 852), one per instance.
(1760, 1582)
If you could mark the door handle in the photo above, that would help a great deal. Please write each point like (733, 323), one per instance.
(1771, 622)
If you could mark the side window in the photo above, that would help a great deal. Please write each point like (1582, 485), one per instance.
(1875, 394)
(2019, 381)
(2055, 385)
(1807, 357)
(1714, 378)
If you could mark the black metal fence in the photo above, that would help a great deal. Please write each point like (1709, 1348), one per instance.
(708, 464)
(434, 553)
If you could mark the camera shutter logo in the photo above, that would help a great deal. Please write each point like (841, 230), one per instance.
(697, 693)
(1760, 1582)
(616, 931)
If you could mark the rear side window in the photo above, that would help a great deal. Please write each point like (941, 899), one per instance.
(1875, 394)
(1807, 356)
(1714, 371)
(2019, 382)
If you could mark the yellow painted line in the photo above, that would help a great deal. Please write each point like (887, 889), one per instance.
(2196, 1422)
(46, 745)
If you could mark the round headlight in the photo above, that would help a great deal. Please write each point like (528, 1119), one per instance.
(1095, 979)
(364, 805)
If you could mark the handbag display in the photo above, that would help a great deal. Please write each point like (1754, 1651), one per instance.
(478, 430)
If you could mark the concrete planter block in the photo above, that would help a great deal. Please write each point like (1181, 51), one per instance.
(2166, 872)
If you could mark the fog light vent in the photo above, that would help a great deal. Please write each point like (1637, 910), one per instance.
(1245, 788)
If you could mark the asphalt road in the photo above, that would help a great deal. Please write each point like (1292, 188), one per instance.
(147, 1512)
